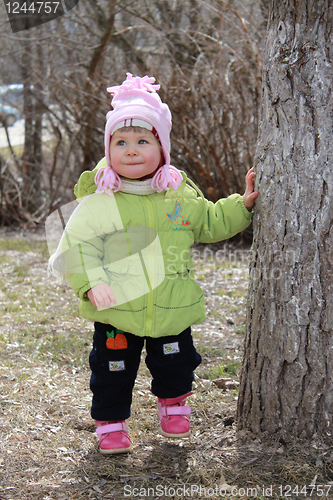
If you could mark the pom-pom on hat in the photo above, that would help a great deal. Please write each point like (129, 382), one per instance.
(136, 103)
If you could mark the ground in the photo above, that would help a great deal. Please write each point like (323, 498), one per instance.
(48, 442)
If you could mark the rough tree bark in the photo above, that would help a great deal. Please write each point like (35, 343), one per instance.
(287, 372)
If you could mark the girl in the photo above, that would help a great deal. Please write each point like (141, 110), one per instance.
(126, 254)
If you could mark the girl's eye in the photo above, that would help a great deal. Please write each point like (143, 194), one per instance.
(142, 141)
(121, 143)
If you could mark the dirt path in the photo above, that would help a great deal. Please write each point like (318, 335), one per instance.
(48, 444)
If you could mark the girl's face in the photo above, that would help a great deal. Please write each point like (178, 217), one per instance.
(135, 154)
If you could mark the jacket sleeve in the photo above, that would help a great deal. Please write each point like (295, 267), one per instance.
(222, 220)
(82, 251)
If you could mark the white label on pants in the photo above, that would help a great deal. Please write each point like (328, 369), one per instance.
(171, 348)
(116, 366)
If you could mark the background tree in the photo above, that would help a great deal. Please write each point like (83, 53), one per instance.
(287, 373)
(206, 55)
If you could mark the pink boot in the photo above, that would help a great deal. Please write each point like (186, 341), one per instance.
(172, 414)
(113, 437)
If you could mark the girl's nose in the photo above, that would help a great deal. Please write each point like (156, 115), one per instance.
(131, 151)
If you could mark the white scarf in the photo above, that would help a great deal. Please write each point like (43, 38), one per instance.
(137, 187)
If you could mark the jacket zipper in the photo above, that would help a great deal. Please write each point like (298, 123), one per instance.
(150, 299)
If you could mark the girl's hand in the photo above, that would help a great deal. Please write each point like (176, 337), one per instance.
(250, 195)
(101, 295)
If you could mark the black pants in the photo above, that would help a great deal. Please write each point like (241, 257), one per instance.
(170, 360)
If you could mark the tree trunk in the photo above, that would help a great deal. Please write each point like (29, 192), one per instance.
(33, 112)
(28, 152)
(287, 372)
(92, 87)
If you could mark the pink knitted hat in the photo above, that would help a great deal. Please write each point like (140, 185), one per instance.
(136, 102)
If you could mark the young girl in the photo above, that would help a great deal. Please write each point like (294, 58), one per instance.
(126, 254)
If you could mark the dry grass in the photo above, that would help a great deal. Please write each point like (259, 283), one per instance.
(48, 444)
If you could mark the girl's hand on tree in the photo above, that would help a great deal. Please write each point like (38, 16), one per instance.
(101, 295)
(250, 195)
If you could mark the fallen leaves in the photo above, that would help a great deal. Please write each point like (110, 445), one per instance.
(226, 384)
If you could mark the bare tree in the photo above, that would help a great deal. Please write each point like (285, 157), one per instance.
(92, 85)
(32, 153)
(287, 373)
(206, 54)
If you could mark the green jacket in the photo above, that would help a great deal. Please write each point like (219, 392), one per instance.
(140, 245)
